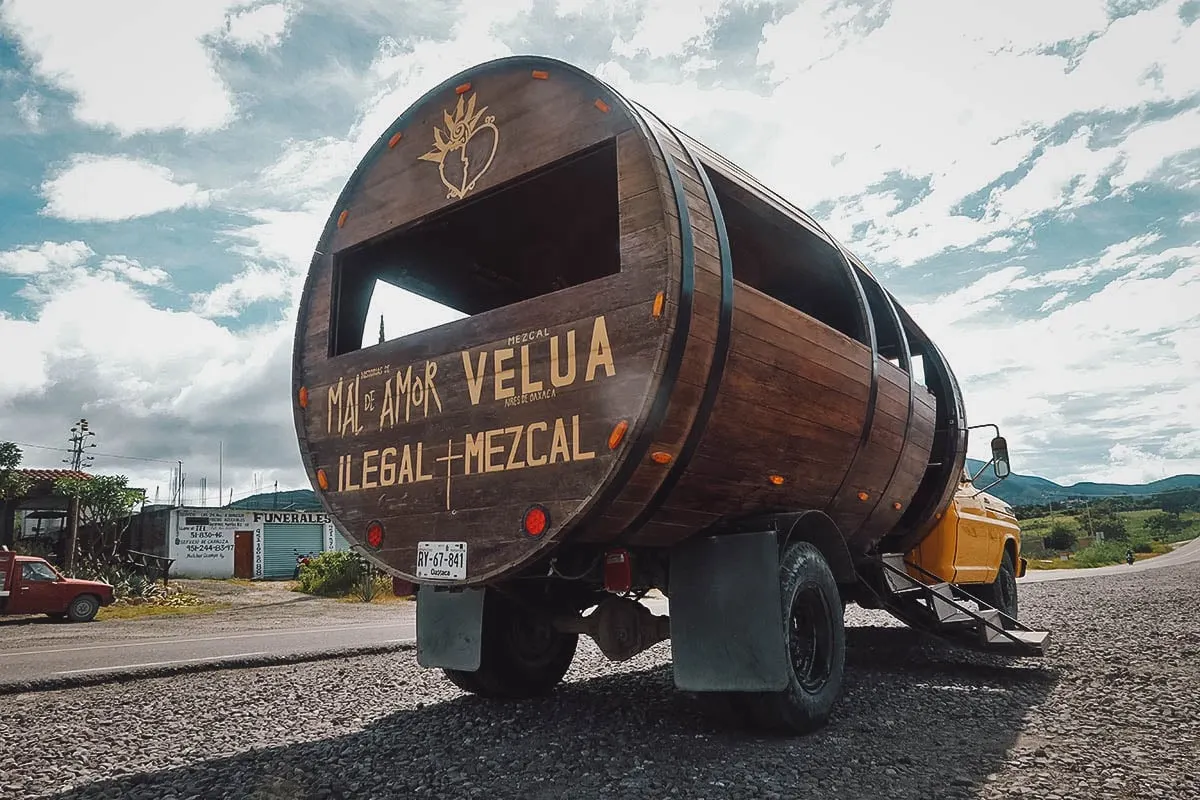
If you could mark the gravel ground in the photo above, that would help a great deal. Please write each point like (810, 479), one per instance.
(1112, 712)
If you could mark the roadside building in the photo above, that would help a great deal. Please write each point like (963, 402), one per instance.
(246, 543)
(253, 539)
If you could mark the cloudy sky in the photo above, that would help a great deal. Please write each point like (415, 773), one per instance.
(1024, 176)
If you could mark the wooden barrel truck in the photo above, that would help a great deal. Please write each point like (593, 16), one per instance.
(665, 376)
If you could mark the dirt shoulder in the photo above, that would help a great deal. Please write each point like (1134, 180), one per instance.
(245, 606)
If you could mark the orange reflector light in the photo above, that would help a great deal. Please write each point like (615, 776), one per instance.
(466, 87)
(776, 479)
(896, 505)
(658, 304)
(540, 74)
(660, 457)
(863, 496)
(375, 534)
(536, 521)
(600, 104)
(342, 218)
(303, 397)
(395, 140)
(618, 433)
(322, 480)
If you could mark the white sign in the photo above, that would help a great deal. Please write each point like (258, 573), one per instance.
(444, 560)
(202, 541)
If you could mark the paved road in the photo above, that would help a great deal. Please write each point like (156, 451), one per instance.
(1184, 554)
(41, 649)
(57, 660)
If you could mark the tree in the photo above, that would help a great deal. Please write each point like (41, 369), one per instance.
(1178, 501)
(12, 483)
(1162, 524)
(1061, 537)
(105, 508)
(1111, 527)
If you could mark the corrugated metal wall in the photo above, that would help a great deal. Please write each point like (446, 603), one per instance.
(282, 542)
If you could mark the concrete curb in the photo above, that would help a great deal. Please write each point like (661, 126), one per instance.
(127, 674)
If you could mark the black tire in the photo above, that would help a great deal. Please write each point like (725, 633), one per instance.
(521, 655)
(814, 627)
(83, 608)
(1001, 594)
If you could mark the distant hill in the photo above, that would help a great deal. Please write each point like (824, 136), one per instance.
(1017, 490)
(1020, 490)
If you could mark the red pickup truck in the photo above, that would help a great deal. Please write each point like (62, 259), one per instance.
(30, 585)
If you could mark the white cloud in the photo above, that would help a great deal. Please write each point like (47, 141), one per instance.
(1001, 244)
(162, 382)
(112, 188)
(29, 109)
(1055, 300)
(1184, 444)
(1130, 348)
(251, 285)
(47, 257)
(909, 99)
(134, 272)
(261, 27)
(1062, 178)
(132, 65)
(1148, 148)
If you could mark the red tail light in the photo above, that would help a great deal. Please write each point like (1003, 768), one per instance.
(375, 534)
(618, 570)
(536, 521)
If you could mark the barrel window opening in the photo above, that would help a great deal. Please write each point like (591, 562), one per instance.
(888, 335)
(783, 260)
(551, 229)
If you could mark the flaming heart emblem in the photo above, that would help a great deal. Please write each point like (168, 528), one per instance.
(473, 140)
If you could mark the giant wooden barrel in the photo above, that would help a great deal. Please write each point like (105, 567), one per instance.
(651, 343)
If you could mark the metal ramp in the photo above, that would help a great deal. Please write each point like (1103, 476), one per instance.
(947, 611)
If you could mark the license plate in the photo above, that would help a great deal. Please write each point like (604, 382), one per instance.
(442, 560)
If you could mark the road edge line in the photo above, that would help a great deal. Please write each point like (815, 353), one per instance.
(129, 674)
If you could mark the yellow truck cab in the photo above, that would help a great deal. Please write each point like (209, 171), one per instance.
(976, 544)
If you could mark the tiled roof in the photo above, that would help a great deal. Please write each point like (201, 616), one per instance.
(51, 474)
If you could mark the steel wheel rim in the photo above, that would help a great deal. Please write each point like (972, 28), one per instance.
(810, 639)
(532, 641)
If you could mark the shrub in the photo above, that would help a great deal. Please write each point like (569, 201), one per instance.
(1061, 537)
(128, 583)
(1100, 554)
(343, 574)
(1143, 546)
(330, 574)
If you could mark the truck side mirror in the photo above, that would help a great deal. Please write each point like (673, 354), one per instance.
(1000, 457)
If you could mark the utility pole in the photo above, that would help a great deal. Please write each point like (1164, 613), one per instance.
(79, 439)
(80, 434)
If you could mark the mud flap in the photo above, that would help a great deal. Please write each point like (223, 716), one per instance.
(727, 631)
(449, 628)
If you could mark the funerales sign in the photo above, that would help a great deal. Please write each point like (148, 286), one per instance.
(292, 517)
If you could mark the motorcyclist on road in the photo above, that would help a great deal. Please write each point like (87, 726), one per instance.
(1129, 556)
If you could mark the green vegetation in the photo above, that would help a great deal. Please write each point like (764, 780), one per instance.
(342, 574)
(1099, 535)
(175, 605)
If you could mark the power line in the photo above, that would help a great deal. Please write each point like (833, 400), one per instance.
(106, 455)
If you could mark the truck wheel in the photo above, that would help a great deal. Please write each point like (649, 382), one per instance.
(522, 656)
(83, 608)
(814, 626)
(1001, 593)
